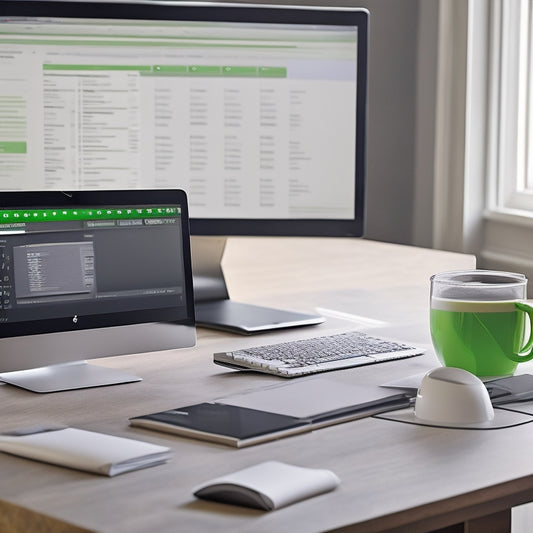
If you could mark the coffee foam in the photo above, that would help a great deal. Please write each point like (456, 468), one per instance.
(466, 291)
(466, 306)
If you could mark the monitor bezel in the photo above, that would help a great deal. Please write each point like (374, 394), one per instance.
(179, 314)
(210, 12)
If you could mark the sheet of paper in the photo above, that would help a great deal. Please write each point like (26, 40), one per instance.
(309, 397)
(411, 383)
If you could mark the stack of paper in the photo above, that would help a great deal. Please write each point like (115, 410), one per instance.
(84, 450)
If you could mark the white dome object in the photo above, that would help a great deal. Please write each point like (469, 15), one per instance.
(453, 396)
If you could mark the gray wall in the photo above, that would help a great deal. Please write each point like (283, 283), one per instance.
(391, 119)
(401, 119)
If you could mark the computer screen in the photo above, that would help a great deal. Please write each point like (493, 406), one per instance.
(92, 274)
(258, 112)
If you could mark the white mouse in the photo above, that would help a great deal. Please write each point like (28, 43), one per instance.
(235, 494)
(269, 485)
(453, 396)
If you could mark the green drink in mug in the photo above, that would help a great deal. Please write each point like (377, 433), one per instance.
(480, 321)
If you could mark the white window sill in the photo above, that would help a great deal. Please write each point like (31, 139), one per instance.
(511, 216)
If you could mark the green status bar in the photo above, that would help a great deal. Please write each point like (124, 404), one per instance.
(87, 213)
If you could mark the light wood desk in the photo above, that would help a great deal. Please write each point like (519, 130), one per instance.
(395, 477)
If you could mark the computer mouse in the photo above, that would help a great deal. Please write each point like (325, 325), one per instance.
(453, 396)
(268, 485)
(235, 494)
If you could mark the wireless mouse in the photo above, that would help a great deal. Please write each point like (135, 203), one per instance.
(269, 485)
(454, 398)
(453, 395)
(235, 494)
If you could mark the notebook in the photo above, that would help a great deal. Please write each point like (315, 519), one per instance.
(274, 412)
(84, 450)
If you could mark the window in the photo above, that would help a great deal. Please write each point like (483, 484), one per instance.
(483, 192)
(511, 57)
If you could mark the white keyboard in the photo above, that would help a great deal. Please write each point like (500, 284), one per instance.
(319, 354)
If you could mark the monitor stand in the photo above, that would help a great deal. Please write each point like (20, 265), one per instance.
(213, 306)
(66, 376)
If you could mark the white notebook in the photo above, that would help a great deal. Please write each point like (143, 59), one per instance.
(84, 450)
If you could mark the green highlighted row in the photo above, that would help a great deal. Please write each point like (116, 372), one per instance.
(11, 216)
(182, 70)
(12, 147)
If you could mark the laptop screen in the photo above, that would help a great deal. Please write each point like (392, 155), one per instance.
(87, 260)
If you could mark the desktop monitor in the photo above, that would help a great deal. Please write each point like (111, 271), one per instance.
(87, 274)
(258, 112)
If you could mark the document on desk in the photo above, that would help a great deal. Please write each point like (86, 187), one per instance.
(275, 412)
(84, 450)
(320, 400)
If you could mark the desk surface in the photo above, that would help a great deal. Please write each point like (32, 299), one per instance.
(393, 475)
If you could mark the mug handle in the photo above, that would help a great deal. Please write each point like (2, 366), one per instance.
(526, 353)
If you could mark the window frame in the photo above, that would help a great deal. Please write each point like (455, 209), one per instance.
(511, 181)
(475, 209)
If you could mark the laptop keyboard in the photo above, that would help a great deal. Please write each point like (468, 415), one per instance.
(318, 354)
